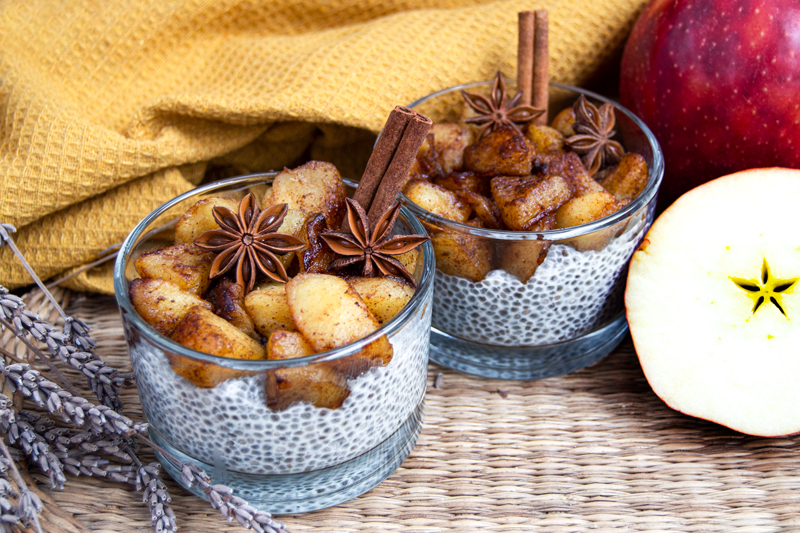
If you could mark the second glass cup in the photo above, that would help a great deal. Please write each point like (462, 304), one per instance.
(298, 457)
(497, 312)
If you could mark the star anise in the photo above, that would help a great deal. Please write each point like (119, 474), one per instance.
(498, 110)
(594, 129)
(375, 247)
(249, 241)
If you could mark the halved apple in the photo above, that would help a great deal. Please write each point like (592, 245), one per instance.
(714, 307)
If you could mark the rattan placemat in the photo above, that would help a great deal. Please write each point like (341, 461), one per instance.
(592, 451)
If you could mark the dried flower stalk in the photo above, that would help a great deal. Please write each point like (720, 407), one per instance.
(72, 409)
(73, 346)
(230, 505)
(102, 433)
(156, 496)
(28, 504)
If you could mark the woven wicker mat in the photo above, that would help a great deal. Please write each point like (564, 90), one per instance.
(594, 450)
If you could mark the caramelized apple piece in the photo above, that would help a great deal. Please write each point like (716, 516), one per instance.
(465, 181)
(450, 141)
(461, 254)
(205, 332)
(185, 265)
(162, 304)
(427, 164)
(312, 188)
(545, 139)
(437, 200)
(331, 314)
(564, 121)
(317, 256)
(628, 179)
(585, 209)
(268, 308)
(385, 297)
(409, 260)
(485, 209)
(318, 383)
(227, 297)
(522, 258)
(199, 219)
(570, 167)
(524, 201)
(503, 151)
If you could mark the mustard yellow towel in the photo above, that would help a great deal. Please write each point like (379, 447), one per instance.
(108, 108)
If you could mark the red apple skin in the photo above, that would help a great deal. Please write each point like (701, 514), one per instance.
(718, 82)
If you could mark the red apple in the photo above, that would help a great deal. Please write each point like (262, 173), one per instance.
(718, 82)
(713, 302)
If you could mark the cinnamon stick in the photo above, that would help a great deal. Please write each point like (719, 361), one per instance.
(395, 176)
(381, 156)
(541, 64)
(525, 56)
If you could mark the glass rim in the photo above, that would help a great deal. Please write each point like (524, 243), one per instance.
(255, 366)
(655, 176)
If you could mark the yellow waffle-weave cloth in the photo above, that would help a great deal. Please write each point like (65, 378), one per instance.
(108, 108)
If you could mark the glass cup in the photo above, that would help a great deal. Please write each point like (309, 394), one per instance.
(495, 313)
(301, 458)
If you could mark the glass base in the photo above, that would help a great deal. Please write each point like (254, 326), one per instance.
(526, 362)
(307, 491)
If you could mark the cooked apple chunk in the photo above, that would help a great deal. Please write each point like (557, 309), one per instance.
(186, 265)
(461, 254)
(570, 167)
(450, 141)
(227, 297)
(564, 122)
(385, 297)
(268, 308)
(522, 258)
(437, 200)
(314, 187)
(524, 201)
(331, 314)
(163, 304)
(427, 163)
(485, 209)
(317, 255)
(588, 208)
(585, 209)
(409, 260)
(199, 219)
(503, 151)
(545, 139)
(205, 332)
(465, 181)
(628, 179)
(318, 383)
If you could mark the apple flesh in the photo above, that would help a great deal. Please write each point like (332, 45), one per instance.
(708, 348)
(717, 83)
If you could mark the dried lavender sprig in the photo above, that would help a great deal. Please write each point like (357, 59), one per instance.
(24, 431)
(148, 479)
(8, 509)
(72, 409)
(72, 346)
(220, 496)
(61, 378)
(230, 505)
(28, 505)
